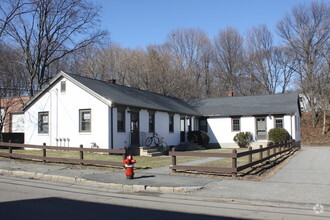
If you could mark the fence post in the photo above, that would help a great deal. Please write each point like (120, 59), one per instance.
(125, 154)
(274, 149)
(268, 150)
(173, 160)
(10, 151)
(44, 153)
(81, 153)
(260, 153)
(234, 163)
(250, 155)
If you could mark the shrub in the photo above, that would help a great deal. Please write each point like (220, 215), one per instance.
(243, 139)
(278, 135)
(199, 137)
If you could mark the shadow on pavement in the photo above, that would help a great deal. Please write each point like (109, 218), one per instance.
(142, 177)
(59, 208)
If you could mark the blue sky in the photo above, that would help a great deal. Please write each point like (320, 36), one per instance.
(138, 23)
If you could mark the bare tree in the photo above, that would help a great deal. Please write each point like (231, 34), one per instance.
(286, 61)
(162, 76)
(229, 60)
(50, 31)
(187, 48)
(9, 9)
(269, 65)
(325, 88)
(306, 31)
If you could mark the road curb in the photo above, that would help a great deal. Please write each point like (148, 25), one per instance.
(79, 180)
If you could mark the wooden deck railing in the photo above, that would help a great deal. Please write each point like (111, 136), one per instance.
(44, 157)
(271, 151)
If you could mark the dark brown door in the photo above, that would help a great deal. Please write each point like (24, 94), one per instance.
(135, 131)
(182, 130)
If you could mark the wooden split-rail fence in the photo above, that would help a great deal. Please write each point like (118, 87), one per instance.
(45, 158)
(265, 154)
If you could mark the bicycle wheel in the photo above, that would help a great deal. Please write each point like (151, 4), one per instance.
(162, 147)
(148, 141)
(156, 141)
(165, 147)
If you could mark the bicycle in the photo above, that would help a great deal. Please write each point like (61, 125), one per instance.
(158, 141)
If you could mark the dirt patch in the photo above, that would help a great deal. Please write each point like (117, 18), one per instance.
(262, 171)
(311, 136)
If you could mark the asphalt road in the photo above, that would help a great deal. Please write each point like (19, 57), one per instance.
(36, 199)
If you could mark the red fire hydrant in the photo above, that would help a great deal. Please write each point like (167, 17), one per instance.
(129, 166)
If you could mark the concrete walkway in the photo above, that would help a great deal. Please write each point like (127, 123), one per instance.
(305, 179)
(311, 166)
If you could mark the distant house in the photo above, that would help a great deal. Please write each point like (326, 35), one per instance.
(11, 111)
(74, 110)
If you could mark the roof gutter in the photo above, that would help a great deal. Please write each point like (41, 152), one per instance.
(111, 122)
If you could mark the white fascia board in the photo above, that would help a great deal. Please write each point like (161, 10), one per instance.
(86, 89)
(52, 82)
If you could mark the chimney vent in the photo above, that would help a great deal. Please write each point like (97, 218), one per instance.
(113, 81)
(230, 94)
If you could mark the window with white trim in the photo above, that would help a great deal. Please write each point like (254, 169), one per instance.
(236, 124)
(85, 120)
(2, 117)
(120, 120)
(203, 124)
(278, 122)
(171, 123)
(43, 122)
(63, 86)
(151, 122)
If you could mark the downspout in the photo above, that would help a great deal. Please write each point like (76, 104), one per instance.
(291, 125)
(50, 117)
(111, 122)
(57, 114)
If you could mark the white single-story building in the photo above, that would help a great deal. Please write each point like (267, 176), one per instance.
(74, 110)
(224, 117)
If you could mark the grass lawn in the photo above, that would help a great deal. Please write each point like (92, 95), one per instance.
(227, 162)
(220, 150)
(142, 162)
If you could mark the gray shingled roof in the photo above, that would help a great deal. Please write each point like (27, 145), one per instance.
(247, 105)
(128, 96)
(228, 106)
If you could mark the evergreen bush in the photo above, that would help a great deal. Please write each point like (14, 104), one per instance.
(278, 135)
(243, 139)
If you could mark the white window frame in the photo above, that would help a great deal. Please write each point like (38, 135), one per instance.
(87, 121)
(63, 86)
(278, 118)
(234, 125)
(42, 123)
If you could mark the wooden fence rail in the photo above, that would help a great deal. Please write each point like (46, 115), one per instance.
(44, 157)
(271, 151)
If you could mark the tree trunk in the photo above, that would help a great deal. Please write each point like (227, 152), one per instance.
(314, 118)
(324, 121)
